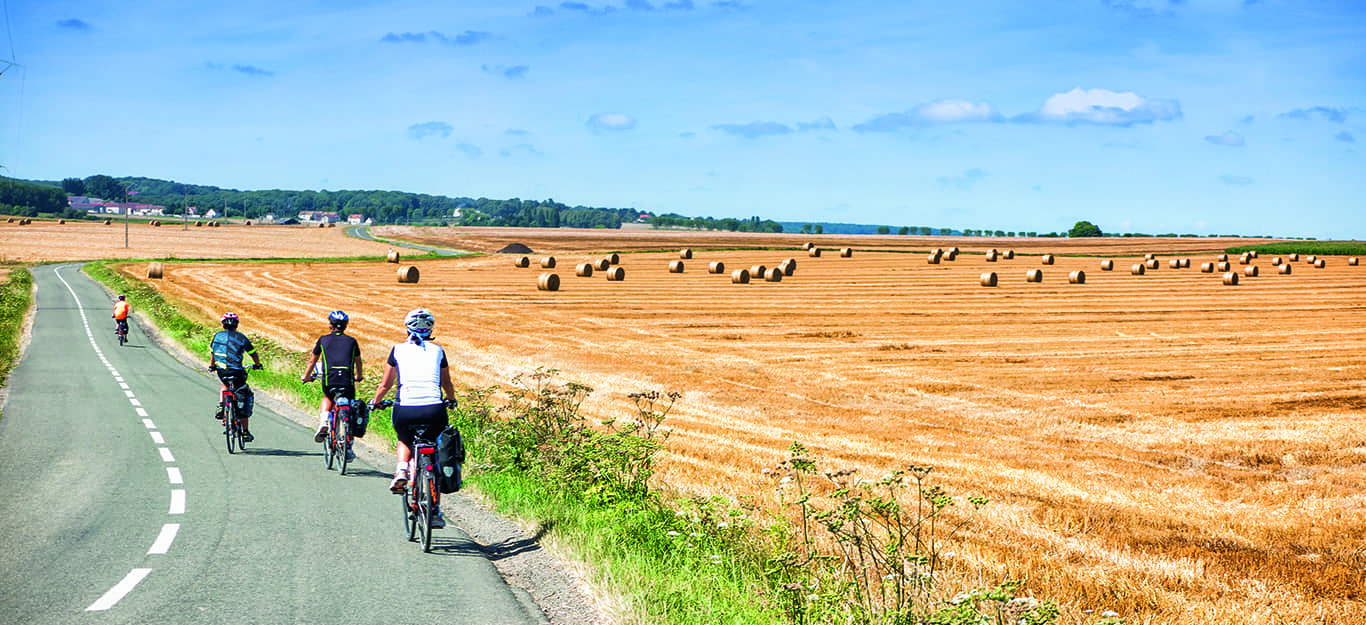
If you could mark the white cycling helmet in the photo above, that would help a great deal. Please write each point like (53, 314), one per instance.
(419, 323)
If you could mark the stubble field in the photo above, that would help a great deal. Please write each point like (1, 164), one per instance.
(1163, 445)
(49, 241)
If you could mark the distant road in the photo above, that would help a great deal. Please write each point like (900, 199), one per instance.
(120, 504)
(363, 232)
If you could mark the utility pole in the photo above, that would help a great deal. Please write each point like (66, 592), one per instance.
(126, 210)
(185, 215)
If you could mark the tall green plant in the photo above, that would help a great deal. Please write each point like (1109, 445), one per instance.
(15, 296)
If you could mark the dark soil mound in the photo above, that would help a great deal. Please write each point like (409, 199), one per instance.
(515, 248)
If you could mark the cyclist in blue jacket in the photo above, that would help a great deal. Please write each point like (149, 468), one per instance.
(227, 349)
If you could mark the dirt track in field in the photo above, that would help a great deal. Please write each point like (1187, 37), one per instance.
(48, 240)
(1162, 445)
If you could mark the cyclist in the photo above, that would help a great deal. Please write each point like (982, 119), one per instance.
(226, 350)
(341, 368)
(121, 310)
(419, 367)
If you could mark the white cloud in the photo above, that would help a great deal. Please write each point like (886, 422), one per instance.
(611, 121)
(948, 111)
(1105, 108)
(1229, 138)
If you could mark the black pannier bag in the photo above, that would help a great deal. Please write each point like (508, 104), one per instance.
(450, 454)
(360, 418)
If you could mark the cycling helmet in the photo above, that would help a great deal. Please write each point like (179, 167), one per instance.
(419, 323)
(121, 297)
(229, 321)
(338, 319)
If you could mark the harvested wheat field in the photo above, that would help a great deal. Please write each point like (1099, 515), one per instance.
(1161, 445)
(48, 241)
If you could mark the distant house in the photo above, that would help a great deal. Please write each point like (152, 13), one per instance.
(355, 219)
(210, 214)
(269, 217)
(318, 217)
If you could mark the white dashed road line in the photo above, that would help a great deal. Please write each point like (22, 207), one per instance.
(163, 542)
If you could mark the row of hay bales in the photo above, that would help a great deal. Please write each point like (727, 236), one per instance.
(551, 281)
(990, 279)
(23, 221)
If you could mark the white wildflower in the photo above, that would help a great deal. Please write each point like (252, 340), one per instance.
(1109, 614)
(673, 533)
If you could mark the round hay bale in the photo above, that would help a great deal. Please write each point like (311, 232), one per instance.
(1285, 269)
(407, 275)
(991, 255)
(739, 276)
(988, 279)
(1320, 263)
(814, 252)
(774, 275)
(1231, 278)
(520, 261)
(548, 262)
(1253, 253)
(954, 250)
(1047, 259)
(392, 257)
(716, 266)
(1312, 259)
(1251, 271)
(247, 222)
(846, 252)
(685, 253)
(1076, 277)
(1137, 269)
(331, 224)
(788, 266)
(548, 282)
(1224, 266)
(1174, 263)
(322, 225)
(1152, 264)
(1353, 261)
(1206, 267)
(951, 255)
(107, 222)
(156, 223)
(1009, 254)
(1221, 258)
(808, 245)
(1107, 265)
(757, 272)
(199, 224)
(616, 274)
(1185, 263)
(1149, 256)
(1245, 258)
(155, 271)
(11, 220)
(934, 257)
(584, 270)
(676, 266)
(614, 259)
(603, 264)
(61, 221)
(1276, 261)
(1294, 258)
(1034, 275)
(25, 221)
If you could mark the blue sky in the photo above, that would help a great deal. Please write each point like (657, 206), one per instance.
(1189, 116)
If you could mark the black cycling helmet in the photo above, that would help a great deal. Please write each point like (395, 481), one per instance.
(229, 321)
(121, 297)
(338, 319)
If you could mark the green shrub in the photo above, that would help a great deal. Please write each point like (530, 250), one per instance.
(15, 296)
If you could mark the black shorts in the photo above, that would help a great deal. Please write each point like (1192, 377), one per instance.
(232, 378)
(406, 417)
(347, 390)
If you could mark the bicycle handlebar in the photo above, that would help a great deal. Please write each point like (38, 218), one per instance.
(389, 403)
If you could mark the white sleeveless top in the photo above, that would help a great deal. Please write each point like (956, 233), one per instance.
(419, 372)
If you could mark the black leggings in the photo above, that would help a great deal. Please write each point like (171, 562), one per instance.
(406, 418)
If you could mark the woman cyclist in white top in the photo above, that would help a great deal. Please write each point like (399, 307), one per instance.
(419, 367)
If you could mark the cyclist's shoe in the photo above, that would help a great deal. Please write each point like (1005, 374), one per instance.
(219, 415)
(247, 437)
(400, 483)
(350, 455)
(321, 435)
(438, 521)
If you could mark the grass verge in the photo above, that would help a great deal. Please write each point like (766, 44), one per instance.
(1320, 248)
(16, 295)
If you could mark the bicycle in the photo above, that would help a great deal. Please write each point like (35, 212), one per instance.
(419, 497)
(339, 430)
(121, 331)
(232, 421)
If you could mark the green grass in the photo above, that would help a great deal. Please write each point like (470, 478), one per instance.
(16, 295)
(1319, 248)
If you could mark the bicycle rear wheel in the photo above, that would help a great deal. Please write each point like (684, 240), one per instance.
(229, 421)
(409, 513)
(425, 508)
(341, 432)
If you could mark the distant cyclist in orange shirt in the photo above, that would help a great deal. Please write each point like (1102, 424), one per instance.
(121, 310)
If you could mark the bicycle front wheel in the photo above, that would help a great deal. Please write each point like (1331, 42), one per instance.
(341, 432)
(409, 513)
(330, 442)
(428, 508)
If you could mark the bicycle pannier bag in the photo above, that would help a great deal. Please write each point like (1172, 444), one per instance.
(450, 454)
(360, 418)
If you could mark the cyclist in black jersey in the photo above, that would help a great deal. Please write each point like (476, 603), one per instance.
(340, 368)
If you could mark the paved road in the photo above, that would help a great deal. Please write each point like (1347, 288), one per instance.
(363, 233)
(120, 504)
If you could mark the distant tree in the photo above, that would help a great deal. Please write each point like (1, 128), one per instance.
(884, 230)
(924, 231)
(820, 229)
(806, 229)
(904, 231)
(73, 186)
(1000, 233)
(104, 187)
(946, 231)
(1084, 229)
(1010, 234)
